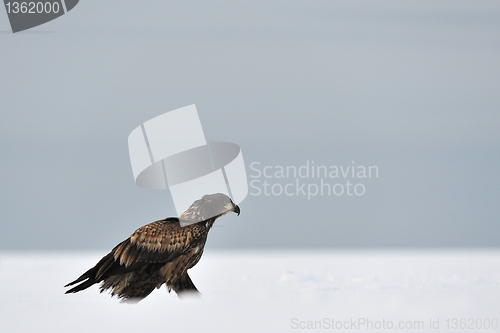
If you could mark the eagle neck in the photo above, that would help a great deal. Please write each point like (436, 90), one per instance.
(209, 223)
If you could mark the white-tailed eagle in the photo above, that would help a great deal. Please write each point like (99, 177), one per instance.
(157, 253)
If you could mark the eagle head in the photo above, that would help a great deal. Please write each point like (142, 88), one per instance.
(210, 205)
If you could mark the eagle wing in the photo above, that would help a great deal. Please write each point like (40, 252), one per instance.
(159, 242)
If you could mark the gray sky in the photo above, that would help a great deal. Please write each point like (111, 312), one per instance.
(411, 88)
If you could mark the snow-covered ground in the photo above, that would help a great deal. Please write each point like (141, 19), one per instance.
(266, 291)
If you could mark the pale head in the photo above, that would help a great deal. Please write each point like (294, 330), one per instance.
(209, 206)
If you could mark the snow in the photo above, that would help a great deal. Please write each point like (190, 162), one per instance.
(263, 291)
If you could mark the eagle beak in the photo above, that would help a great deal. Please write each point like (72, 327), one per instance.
(236, 209)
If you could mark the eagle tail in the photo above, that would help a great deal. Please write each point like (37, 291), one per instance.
(93, 275)
(89, 276)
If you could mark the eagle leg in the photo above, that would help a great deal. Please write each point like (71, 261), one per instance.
(183, 284)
